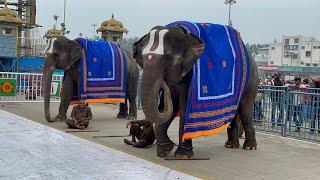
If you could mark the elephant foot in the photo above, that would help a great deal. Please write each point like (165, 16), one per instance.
(232, 144)
(122, 116)
(51, 120)
(164, 149)
(59, 118)
(184, 152)
(131, 117)
(250, 145)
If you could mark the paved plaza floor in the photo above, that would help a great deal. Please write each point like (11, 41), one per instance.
(275, 158)
(33, 151)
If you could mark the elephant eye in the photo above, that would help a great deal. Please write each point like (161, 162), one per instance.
(56, 54)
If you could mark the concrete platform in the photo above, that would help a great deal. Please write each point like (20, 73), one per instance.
(276, 157)
(33, 151)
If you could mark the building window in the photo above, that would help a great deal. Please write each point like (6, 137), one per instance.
(286, 55)
(307, 64)
(315, 47)
(294, 56)
(296, 40)
(302, 63)
(271, 62)
(308, 53)
(272, 48)
(302, 47)
(315, 65)
(7, 32)
(286, 41)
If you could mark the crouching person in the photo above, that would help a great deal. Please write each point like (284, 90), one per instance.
(81, 115)
(143, 131)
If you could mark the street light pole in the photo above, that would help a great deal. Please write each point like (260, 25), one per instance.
(230, 3)
(64, 12)
(63, 25)
(94, 29)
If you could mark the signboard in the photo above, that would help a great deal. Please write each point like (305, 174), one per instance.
(8, 87)
(55, 89)
(268, 68)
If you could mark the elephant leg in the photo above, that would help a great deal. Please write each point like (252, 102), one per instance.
(233, 135)
(123, 110)
(240, 129)
(164, 144)
(245, 115)
(185, 149)
(132, 92)
(66, 96)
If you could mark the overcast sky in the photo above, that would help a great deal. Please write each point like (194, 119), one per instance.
(259, 21)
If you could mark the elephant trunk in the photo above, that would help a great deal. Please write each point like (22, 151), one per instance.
(151, 86)
(47, 79)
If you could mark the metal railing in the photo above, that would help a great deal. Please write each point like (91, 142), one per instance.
(29, 87)
(294, 113)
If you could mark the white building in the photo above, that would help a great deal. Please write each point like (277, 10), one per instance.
(295, 51)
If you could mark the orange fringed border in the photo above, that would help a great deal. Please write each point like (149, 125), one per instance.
(204, 133)
(107, 100)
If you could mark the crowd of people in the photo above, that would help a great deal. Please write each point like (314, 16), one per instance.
(296, 102)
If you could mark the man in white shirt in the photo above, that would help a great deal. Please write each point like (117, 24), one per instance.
(295, 103)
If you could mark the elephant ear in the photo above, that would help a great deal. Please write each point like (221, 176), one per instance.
(137, 49)
(74, 52)
(195, 47)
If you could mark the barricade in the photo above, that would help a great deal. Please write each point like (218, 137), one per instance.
(293, 113)
(29, 87)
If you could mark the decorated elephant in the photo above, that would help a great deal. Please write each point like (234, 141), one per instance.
(172, 57)
(65, 54)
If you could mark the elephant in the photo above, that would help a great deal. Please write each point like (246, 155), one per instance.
(65, 55)
(170, 72)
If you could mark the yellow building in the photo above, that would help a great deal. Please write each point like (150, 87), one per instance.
(9, 22)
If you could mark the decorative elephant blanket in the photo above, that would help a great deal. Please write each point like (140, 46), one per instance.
(103, 72)
(219, 79)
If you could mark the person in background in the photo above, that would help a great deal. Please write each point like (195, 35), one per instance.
(305, 83)
(316, 106)
(276, 99)
(307, 105)
(81, 115)
(295, 104)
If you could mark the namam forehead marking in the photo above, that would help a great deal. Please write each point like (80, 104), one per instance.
(50, 44)
(155, 44)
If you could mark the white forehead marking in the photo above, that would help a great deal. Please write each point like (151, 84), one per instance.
(146, 50)
(152, 40)
(149, 56)
(50, 44)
